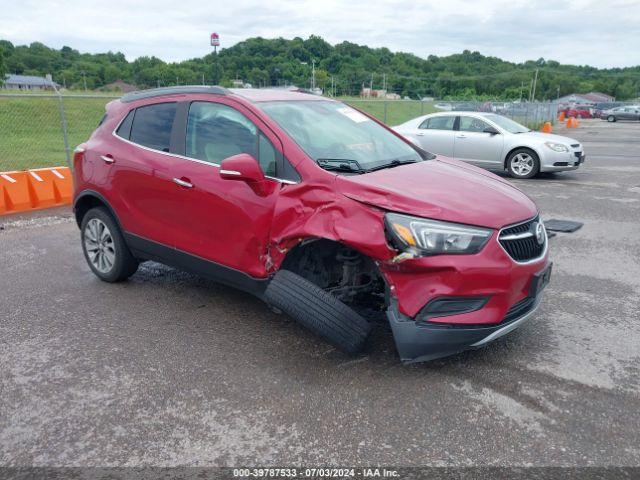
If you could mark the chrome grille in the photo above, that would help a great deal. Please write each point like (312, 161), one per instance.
(520, 241)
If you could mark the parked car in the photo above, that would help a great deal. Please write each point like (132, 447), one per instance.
(627, 112)
(494, 142)
(315, 207)
(579, 111)
(598, 108)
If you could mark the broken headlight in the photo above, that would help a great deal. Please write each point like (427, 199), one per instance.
(423, 236)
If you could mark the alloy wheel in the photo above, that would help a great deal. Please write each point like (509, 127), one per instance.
(522, 164)
(98, 243)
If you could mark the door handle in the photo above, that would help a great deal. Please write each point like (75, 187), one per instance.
(420, 134)
(107, 159)
(183, 183)
(461, 136)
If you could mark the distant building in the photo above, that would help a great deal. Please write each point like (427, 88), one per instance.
(119, 86)
(392, 96)
(591, 97)
(28, 82)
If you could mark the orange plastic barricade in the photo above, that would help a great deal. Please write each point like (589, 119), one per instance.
(35, 189)
(547, 128)
(561, 117)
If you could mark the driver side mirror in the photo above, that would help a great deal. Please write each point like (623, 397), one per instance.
(245, 168)
(491, 130)
(241, 167)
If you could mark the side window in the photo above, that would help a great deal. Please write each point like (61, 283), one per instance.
(439, 123)
(216, 131)
(152, 125)
(472, 124)
(124, 130)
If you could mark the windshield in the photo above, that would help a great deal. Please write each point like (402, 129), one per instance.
(507, 124)
(333, 131)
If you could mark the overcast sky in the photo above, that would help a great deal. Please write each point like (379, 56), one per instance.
(603, 33)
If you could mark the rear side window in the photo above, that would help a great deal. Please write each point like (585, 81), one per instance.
(438, 123)
(152, 125)
(124, 130)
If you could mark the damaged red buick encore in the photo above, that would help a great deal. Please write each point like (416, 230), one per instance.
(315, 207)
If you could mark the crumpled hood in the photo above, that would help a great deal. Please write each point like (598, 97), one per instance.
(442, 189)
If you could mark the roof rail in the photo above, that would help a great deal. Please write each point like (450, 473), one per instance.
(159, 92)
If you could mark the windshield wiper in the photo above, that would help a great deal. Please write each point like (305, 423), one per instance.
(340, 165)
(393, 163)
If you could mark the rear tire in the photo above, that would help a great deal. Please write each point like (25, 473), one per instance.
(104, 247)
(523, 163)
(611, 118)
(318, 311)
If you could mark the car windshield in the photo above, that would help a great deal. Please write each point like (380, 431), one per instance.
(507, 124)
(330, 131)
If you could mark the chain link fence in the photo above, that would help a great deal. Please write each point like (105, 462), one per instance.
(41, 130)
(395, 112)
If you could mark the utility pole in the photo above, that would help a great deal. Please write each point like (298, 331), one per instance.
(313, 75)
(203, 79)
(384, 82)
(84, 80)
(558, 97)
(535, 82)
(371, 83)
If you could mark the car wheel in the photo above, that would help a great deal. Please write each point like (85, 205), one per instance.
(104, 247)
(318, 311)
(523, 163)
(611, 118)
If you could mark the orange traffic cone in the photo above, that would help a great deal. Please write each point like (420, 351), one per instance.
(561, 117)
(570, 123)
(547, 128)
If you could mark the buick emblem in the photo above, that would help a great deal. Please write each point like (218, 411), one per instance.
(538, 228)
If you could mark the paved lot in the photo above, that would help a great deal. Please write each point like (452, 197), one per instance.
(171, 369)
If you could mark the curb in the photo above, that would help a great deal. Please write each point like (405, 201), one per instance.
(21, 191)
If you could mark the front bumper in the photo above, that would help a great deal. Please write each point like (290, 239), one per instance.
(561, 162)
(420, 342)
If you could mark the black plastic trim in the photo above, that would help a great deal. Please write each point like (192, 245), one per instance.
(159, 92)
(446, 306)
(94, 194)
(146, 249)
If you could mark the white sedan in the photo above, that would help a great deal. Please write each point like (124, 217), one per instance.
(493, 142)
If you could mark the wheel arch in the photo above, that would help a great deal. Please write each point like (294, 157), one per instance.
(88, 199)
(320, 249)
(521, 147)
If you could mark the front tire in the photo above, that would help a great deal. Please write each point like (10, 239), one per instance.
(523, 163)
(611, 118)
(104, 247)
(318, 311)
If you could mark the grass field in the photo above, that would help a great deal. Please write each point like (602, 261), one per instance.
(31, 131)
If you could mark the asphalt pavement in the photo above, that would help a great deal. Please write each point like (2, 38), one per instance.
(170, 369)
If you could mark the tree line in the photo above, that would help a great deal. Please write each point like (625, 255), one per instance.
(344, 69)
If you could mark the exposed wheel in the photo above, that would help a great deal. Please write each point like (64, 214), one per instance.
(523, 163)
(318, 311)
(104, 247)
(611, 118)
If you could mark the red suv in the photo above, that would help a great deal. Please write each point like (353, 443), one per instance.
(315, 207)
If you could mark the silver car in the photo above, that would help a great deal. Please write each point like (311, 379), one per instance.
(494, 142)
(627, 112)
